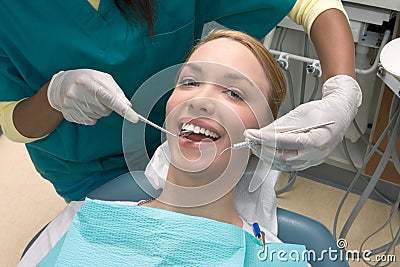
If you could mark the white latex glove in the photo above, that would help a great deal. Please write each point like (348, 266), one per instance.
(341, 97)
(84, 96)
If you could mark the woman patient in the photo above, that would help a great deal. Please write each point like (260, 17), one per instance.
(228, 83)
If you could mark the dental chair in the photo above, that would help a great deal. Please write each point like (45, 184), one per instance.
(292, 227)
(299, 229)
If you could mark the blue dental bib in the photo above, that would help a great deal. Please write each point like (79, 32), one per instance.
(109, 234)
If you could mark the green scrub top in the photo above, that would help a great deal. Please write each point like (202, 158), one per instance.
(40, 38)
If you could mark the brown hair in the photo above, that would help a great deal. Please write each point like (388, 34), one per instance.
(271, 68)
(144, 11)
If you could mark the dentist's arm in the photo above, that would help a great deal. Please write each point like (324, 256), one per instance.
(34, 117)
(341, 97)
(81, 96)
(333, 41)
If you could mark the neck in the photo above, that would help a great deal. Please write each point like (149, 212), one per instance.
(186, 200)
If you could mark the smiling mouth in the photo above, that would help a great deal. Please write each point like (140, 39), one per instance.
(194, 133)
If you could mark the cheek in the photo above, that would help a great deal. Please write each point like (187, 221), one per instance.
(236, 120)
(249, 119)
(259, 115)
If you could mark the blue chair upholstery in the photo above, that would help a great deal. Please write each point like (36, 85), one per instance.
(299, 229)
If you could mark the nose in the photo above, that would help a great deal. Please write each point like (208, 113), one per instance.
(204, 102)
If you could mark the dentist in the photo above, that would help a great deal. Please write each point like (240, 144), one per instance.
(65, 66)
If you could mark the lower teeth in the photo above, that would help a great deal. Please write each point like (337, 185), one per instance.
(187, 138)
(185, 133)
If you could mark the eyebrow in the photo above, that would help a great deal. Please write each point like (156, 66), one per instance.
(233, 76)
(193, 66)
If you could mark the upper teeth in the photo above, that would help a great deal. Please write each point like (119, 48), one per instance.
(197, 129)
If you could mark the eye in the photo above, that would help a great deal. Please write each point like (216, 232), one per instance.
(234, 94)
(188, 82)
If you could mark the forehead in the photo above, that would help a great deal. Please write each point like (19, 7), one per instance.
(235, 55)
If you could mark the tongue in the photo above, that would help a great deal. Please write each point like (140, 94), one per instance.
(198, 137)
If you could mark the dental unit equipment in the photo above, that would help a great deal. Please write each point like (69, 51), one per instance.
(143, 119)
(250, 143)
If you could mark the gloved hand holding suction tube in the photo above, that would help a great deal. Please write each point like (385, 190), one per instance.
(341, 97)
(83, 96)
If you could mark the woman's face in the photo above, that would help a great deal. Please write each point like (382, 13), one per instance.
(220, 92)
